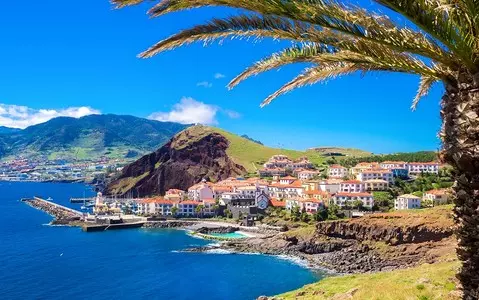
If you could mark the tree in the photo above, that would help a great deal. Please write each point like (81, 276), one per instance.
(199, 210)
(295, 213)
(338, 39)
(228, 213)
(174, 211)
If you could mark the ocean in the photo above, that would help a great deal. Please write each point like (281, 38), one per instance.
(38, 261)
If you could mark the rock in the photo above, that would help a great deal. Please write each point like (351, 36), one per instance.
(188, 158)
(348, 295)
(299, 294)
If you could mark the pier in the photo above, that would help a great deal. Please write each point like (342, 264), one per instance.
(61, 213)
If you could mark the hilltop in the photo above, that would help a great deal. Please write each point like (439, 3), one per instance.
(89, 137)
(251, 155)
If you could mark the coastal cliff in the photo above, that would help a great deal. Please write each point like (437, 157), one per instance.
(185, 160)
(378, 242)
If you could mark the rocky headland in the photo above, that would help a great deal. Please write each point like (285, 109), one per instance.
(184, 161)
(379, 242)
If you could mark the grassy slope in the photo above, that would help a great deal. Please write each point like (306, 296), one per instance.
(245, 152)
(424, 282)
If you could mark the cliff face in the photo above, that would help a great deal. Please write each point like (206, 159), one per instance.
(184, 161)
(388, 234)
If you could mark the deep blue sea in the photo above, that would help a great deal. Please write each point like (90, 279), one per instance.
(38, 261)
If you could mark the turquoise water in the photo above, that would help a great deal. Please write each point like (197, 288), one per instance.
(57, 262)
(232, 235)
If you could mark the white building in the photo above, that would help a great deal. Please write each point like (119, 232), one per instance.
(200, 191)
(337, 171)
(351, 186)
(426, 167)
(309, 205)
(331, 186)
(407, 202)
(187, 208)
(390, 165)
(343, 199)
(155, 206)
(307, 174)
(376, 185)
(175, 195)
(438, 197)
(383, 174)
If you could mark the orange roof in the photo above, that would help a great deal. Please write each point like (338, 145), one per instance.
(372, 171)
(343, 194)
(288, 178)
(174, 191)
(277, 203)
(295, 184)
(437, 192)
(424, 163)
(336, 167)
(222, 188)
(157, 200)
(209, 200)
(394, 162)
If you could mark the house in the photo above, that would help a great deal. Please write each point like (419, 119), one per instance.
(277, 161)
(416, 168)
(286, 188)
(337, 171)
(200, 191)
(362, 167)
(175, 195)
(310, 206)
(345, 199)
(187, 208)
(376, 185)
(155, 206)
(438, 196)
(311, 185)
(351, 186)
(369, 174)
(317, 194)
(209, 207)
(245, 204)
(218, 190)
(407, 202)
(307, 174)
(399, 168)
(331, 186)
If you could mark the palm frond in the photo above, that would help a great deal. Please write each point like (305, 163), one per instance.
(424, 88)
(444, 21)
(319, 53)
(326, 14)
(311, 76)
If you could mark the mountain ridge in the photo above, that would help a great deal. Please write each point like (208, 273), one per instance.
(88, 137)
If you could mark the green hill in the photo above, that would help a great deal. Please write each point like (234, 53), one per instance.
(245, 152)
(339, 151)
(88, 137)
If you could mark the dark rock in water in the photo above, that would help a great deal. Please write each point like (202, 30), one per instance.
(184, 161)
(207, 230)
(168, 224)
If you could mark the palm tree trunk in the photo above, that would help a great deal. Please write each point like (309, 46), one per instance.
(460, 136)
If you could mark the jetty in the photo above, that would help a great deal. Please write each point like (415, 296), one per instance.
(62, 214)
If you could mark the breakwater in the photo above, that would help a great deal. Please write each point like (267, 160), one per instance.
(61, 214)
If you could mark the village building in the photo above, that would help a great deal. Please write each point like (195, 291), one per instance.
(209, 208)
(242, 205)
(345, 199)
(438, 196)
(318, 195)
(310, 185)
(416, 168)
(200, 191)
(218, 190)
(363, 166)
(331, 186)
(307, 174)
(407, 201)
(175, 195)
(277, 161)
(277, 203)
(337, 171)
(351, 186)
(376, 185)
(187, 208)
(155, 206)
(285, 188)
(370, 174)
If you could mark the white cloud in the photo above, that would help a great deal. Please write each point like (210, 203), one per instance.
(232, 114)
(204, 84)
(188, 111)
(219, 76)
(17, 116)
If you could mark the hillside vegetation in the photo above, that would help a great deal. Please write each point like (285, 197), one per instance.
(243, 151)
(88, 137)
(425, 282)
(338, 151)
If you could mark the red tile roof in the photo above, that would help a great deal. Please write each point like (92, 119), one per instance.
(351, 182)
(277, 203)
(343, 194)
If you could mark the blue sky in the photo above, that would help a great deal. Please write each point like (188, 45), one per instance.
(72, 58)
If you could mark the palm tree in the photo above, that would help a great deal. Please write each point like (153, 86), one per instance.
(441, 45)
